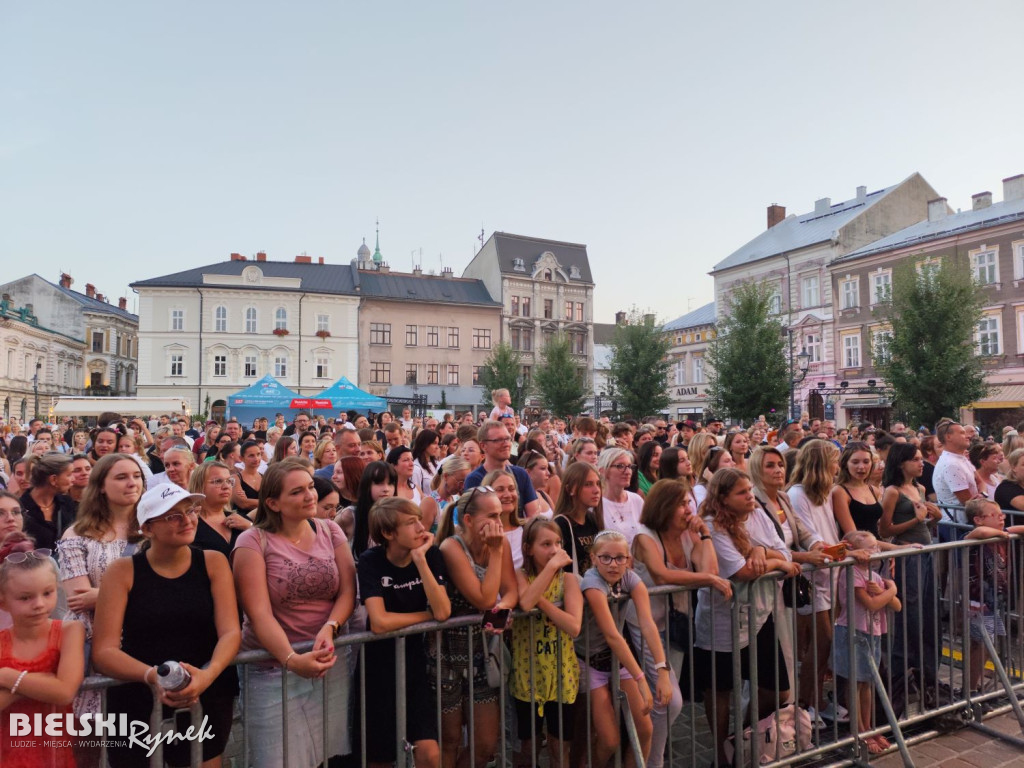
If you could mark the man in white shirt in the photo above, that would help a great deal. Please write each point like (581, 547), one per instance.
(954, 474)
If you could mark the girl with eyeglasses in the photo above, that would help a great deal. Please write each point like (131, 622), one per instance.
(611, 576)
(171, 600)
(218, 528)
(622, 507)
(42, 660)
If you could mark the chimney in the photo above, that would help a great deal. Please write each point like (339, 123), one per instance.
(981, 200)
(383, 268)
(261, 256)
(99, 297)
(65, 280)
(824, 205)
(320, 260)
(90, 290)
(620, 318)
(417, 270)
(937, 209)
(122, 303)
(1013, 188)
(862, 192)
(446, 272)
(303, 259)
(237, 257)
(776, 213)
(649, 320)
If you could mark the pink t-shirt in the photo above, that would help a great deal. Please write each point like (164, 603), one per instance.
(302, 585)
(868, 622)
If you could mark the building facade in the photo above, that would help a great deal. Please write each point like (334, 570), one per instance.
(423, 334)
(689, 336)
(37, 363)
(793, 256)
(208, 332)
(110, 332)
(544, 287)
(990, 238)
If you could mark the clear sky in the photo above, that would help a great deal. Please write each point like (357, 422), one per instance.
(138, 139)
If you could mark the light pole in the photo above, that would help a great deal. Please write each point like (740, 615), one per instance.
(519, 393)
(35, 388)
(803, 361)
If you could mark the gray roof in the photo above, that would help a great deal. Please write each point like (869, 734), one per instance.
(95, 305)
(409, 287)
(802, 230)
(702, 316)
(316, 278)
(956, 223)
(511, 247)
(604, 333)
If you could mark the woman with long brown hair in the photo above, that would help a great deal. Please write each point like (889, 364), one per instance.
(579, 513)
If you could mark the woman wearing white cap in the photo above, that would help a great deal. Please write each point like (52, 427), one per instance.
(169, 602)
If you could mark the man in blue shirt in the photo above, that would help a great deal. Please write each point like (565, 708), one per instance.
(497, 446)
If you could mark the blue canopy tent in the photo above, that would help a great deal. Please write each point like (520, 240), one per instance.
(344, 396)
(266, 397)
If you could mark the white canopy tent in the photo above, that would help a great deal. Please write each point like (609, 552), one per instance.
(126, 406)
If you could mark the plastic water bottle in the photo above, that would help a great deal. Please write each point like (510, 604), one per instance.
(171, 676)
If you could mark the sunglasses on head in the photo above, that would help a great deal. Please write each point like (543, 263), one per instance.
(16, 558)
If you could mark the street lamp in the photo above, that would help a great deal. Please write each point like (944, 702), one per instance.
(35, 387)
(803, 362)
(519, 391)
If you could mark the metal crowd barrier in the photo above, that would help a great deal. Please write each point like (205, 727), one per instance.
(926, 656)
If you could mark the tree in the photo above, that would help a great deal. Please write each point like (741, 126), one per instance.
(500, 370)
(929, 357)
(638, 371)
(443, 403)
(747, 370)
(558, 380)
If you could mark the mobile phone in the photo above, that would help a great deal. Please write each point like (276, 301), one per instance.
(495, 619)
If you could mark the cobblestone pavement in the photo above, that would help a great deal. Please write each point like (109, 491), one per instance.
(966, 748)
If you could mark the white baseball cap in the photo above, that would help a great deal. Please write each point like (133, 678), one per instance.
(161, 499)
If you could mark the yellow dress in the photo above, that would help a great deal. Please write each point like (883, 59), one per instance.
(543, 644)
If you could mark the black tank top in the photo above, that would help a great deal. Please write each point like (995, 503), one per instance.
(173, 619)
(865, 516)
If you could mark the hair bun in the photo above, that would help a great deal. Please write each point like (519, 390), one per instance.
(16, 541)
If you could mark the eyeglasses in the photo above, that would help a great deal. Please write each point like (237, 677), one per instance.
(16, 558)
(499, 440)
(177, 518)
(622, 467)
(609, 559)
(220, 482)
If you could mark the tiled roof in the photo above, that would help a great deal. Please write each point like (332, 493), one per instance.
(316, 278)
(604, 333)
(408, 287)
(511, 247)
(802, 230)
(956, 223)
(701, 316)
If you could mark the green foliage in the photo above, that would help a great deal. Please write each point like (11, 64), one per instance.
(638, 372)
(746, 361)
(443, 405)
(499, 371)
(557, 379)
(929, 357)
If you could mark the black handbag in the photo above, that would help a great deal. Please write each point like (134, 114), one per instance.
(680, 623)
(796, 589)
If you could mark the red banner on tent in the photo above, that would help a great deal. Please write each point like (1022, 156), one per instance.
(308, 402)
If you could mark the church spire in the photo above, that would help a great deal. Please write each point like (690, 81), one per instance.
(377, 258)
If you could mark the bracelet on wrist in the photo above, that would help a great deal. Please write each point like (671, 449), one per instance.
(14, 688)
(287, 659)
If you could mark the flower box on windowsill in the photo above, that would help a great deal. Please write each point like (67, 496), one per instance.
(280, 331)
(323, 334)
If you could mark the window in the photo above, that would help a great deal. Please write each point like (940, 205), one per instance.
(515, 306)
(548, 336)
(929, 268)
(880, 341)
(568, 310)
(323, 323)
(481, 338)
(432, 369)
(281, 319)
(453, 375)
(432, 336)
(986, 266)
(987, 337)
(579, 311)
(851, 350)
(526, 375)
(177, 365)
(220, 365)
(1018, 261)
(412, 333)
(97, 341)
(850, 291)
(526, 306)
(522, 339)
(698, 370)
(549, 308)
(280, 367)
(410, 373)
(453, 338)
(518, 265)
(380, 333)
(579, 343)
(881, 286)
(775, 303)
(322, 371)
(476, 374)
(250, 320)
(220, 319)
(812, 343)
(380, 373)
(547, 275)
(250, 366)
(809, 293)
(680, 372)
(177, 319)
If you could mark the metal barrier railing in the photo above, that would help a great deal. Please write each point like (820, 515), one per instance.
(927, 649)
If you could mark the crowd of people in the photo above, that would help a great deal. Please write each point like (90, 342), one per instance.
(134, 543)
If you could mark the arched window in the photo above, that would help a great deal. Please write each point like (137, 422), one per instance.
(250, 320)
(220, 319)
(281, 319)
(547, 275)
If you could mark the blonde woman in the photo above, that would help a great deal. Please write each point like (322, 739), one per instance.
(698, 448)
(217, 528)
(325, 454)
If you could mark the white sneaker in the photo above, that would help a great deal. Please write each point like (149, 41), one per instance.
(835, 713)
(816, 721)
